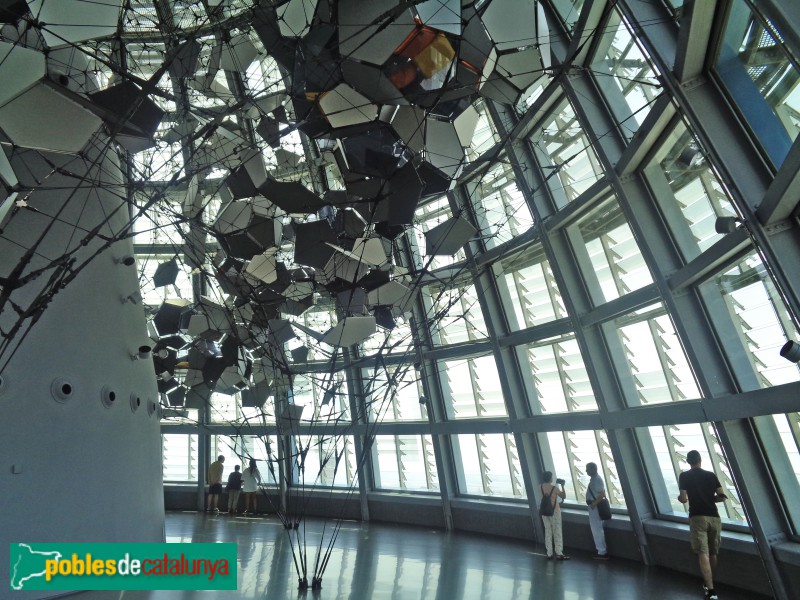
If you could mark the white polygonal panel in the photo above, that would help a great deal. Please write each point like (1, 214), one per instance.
(351, 330)
(234, 217)
(5, 206)
(511, 23)
(6, 171)
(263, 267)
(238, 54)
(389, 294)
(465, 125)
(344, 106)
(20, 69)
(521, 69)
(295, 16)
(72, 21)
(342, 266)
(444, 149)
(44, 119)
(370, 31)
(409, 123)
(370, 251)
(444, 15)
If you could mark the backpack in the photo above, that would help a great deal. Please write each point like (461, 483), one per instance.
(546, 506)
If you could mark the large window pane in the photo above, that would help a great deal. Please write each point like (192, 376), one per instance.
(456, 314)
(563, 148)
(473, 388)
(264, 450)
(760, 76)
(325, 460)
(490, 465)
(761, 319)
(532, 291)
(180, 457)
(789, 430)
(324, 397)
(673, 442)
(560, 380)
(615, 261)
(655, 357)
(682, 175)
(393, 393)
(231, 447)
(624, 74)
(570, 451)
(500, 208)
(428, 216)
(397, 340)
(406, 462)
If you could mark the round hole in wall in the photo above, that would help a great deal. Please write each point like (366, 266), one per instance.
(151, 407)
(108, 396)
(61, 390)
(136, 402)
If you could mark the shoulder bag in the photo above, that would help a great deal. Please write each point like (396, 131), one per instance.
(603, 507)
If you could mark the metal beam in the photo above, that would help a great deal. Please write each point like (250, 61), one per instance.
(697, 21)
(782, 197)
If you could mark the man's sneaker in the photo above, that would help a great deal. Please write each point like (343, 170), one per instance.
(600, 556)
(711, 594)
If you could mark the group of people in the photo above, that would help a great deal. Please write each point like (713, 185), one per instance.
(700, 488)
(595, 493)
(239, 482)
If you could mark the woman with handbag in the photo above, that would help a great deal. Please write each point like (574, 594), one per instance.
(595, 494)
(550, 509)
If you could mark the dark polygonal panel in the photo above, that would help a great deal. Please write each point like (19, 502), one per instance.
(240, 184)
(390, 232)
(371, 81)
(310, 243)
(176, 397)
(267, 233)
(384, 317)
(240, 245)
(291, 196)
(350, 223)
(12, 10)
(170, 317)
(352, 301)
(131, 107)
(166, 273)
(405, 190)
(376, 153)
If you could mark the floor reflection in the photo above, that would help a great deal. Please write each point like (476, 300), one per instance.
(379, 561)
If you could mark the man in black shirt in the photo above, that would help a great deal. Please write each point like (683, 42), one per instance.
(703, 490)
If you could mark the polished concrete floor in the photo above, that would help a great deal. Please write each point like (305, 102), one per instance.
(378, 561)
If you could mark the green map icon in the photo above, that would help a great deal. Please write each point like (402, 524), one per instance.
(29, 564)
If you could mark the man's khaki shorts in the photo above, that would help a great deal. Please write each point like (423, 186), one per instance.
(704, 534)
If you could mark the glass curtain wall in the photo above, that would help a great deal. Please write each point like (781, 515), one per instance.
(619, 268)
